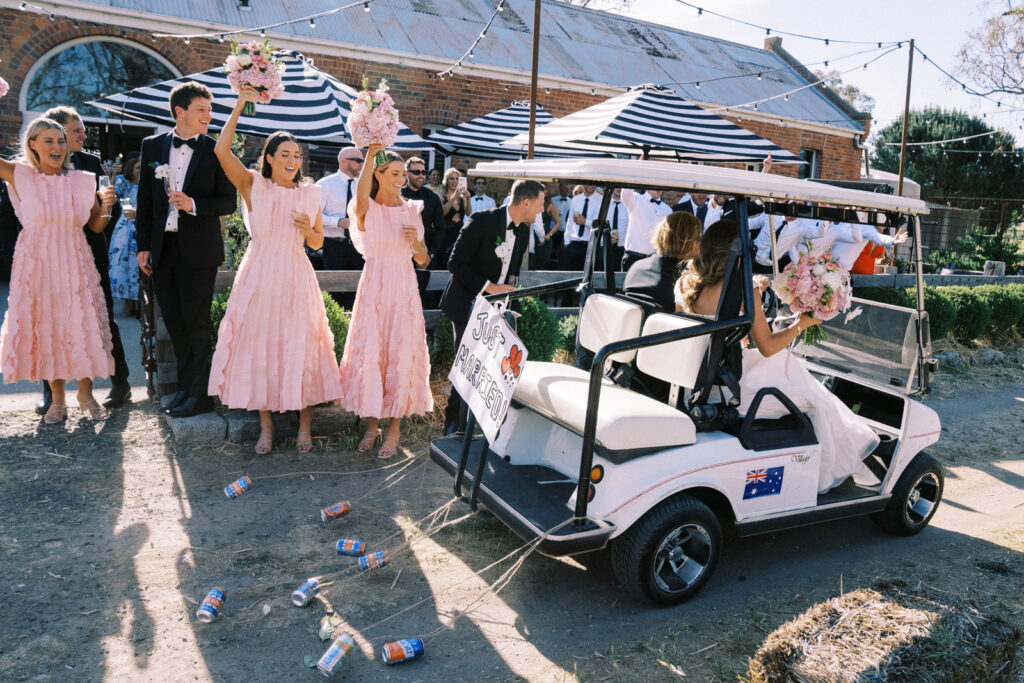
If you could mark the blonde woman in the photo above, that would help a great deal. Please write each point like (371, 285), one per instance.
(676, 240)
(455, 198)
(56, 326)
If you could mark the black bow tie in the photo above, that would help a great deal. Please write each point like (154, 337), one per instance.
(655, 201)
(191, 142)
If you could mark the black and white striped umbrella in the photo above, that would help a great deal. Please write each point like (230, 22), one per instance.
(482, 137)
(314, 107)
(656, 120)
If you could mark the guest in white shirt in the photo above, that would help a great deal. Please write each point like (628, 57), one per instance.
(480, 200)
(337, 191)
(713, 211)
(645, 211)
(618, 221)
(560, 197)
(850, 239)
(584, 210)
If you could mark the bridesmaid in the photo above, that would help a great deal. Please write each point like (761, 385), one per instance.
(56, 325)
(275, 349)
(385, 371)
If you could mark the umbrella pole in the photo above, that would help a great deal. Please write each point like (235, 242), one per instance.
(533, 76)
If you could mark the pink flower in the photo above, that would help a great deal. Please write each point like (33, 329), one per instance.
(4, 87)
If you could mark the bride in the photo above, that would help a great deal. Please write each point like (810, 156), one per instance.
(844, 439)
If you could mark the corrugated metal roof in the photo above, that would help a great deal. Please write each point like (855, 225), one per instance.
(576, 43)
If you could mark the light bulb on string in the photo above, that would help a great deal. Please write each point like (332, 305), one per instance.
(220, 39)
(187, 40)
(697, 84)
(758, 76)
(786, 97)
(312, 22)
(366, 7)
(826, 42)
(263, 32)
(700, 11)
(23, 6)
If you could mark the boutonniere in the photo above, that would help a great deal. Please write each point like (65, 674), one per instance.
(160, 171)
(499, 240)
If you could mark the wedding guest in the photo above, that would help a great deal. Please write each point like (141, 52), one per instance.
(56, 326)
(434, 183)
(694, 203)
(432, 214)
(275, 349)
(676, 240)
(645, 211)
(337, 192)
(551, 224)
(385, 371)
(486, 260)
(480, 200)
(120, 389)
(179, 237)
(848, 241)
(124, 263)
(537, 234)
(456, 209)
(560, 197)
(618, 221)
(583, 209)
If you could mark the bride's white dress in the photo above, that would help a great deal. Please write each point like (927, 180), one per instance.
(844, 438)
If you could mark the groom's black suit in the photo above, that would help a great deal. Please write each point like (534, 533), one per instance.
(474, 263)
(185, 263)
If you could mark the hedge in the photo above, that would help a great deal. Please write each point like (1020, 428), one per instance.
(1007, 306)
(972, 313)
(538, 329)
(941, 310)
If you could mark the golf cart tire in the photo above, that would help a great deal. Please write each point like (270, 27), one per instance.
(643, 558)
(915, 498)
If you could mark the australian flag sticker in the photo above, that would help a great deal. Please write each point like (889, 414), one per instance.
(763, 482)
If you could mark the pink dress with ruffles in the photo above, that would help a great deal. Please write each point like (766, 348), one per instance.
(56, 325)
(275, 349)
(385, 371)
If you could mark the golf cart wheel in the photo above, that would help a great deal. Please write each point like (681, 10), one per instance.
(669, 553)
(914, 499)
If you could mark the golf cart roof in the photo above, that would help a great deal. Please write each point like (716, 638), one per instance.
(691, 177)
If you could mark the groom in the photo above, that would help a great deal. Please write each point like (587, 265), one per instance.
(179, 238)
(482, 262)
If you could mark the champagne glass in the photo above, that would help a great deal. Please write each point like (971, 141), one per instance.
(105, 185)
(167, 189)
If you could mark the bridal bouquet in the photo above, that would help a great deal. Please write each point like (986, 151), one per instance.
(254, 64)
(4, 87)
(815, 284)
(374, 118)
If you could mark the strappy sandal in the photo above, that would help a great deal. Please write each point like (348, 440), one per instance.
(97, 412)
(366, 443)
(304, 442)
(55, 417)
(265, 443)
(386, 452)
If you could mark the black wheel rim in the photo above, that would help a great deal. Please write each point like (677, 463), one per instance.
(923, 497)
(682, 557)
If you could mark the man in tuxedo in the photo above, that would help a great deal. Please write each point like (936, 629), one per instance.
(99, 243)
(179, 237)
(483, 263)
(337, 191)
(645, 212)
(695, 204)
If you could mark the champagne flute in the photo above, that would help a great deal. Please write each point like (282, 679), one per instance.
(167, 189)
(105, 185)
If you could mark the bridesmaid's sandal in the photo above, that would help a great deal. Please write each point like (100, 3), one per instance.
(368, 440)
(386, 451)
(56, 414)
(95, 410)
(265, 444)
(304, 442)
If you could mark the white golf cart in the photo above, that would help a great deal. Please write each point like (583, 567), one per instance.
(584, 460)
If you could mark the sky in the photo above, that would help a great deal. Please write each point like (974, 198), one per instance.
(939, 27)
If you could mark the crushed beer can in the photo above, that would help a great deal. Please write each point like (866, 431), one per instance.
(339, 509)
(374, 560)
(401, 651)
(348, 546)
(339, 649)
(304, 593)
(237, 488)
(212, 605)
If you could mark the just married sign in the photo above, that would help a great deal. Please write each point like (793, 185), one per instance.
(487, 366)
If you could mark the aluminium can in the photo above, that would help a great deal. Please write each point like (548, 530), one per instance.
(237, 488)
(304, 593)
(374, 560)
(348, 546)
(213, 603)
(401, 651)
(339, 509)
(339, 649)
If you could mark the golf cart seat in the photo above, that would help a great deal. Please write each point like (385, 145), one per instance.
(629, 424)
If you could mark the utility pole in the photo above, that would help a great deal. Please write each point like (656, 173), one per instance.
(533, 76)
(906, 120)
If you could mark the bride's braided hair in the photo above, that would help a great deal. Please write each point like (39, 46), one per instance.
(708, 267)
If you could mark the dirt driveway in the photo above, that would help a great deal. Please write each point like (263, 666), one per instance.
(110, 535)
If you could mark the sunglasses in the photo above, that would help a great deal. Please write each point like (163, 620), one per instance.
(355, 161)
(416, 172)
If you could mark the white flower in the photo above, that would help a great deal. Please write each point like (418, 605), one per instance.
(818, 270)
(162, 171)
(244, 59)
(833, 280)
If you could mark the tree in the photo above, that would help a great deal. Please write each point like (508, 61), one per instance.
(857, 98)
(992, 57)
(954, 168)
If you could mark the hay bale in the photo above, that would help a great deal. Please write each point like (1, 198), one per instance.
(889, 633)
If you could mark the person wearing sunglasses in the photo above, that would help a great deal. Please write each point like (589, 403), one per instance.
(337, 191)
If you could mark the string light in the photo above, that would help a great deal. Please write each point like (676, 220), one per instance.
(312, 22)
(469, 54)
(262, 30)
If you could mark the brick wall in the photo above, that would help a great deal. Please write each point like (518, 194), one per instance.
(421, 99)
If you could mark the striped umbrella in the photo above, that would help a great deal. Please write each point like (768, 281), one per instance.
(314, 107)
(655, 120)
(482, 137)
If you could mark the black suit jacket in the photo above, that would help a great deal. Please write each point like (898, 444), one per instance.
(98, 241)
(432, 215)
(689, 206)
(652, 281)
(207, 185)
(473, 262)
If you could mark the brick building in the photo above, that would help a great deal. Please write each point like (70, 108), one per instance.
(94, 47)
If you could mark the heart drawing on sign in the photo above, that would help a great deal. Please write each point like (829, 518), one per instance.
(511, 365)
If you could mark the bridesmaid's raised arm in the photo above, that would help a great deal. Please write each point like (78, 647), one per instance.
(364, 183)
(236, 172)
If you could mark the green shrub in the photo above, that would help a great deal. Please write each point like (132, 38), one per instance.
(336, 318)
(885, 295)
(941, 311)
(442, 343)
(1017, 292)
(1007, 307)
(972, 313)
(567, 331)
(538, 329)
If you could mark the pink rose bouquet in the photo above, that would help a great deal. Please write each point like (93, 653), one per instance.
(374, 118)
(254, 64)
(4, 87)
(815, 284)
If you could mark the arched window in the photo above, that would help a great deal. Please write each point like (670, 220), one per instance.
(87, 69)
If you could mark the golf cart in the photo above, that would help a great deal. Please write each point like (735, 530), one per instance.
(584, 460)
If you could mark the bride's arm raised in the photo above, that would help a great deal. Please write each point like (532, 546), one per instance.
(234, 169)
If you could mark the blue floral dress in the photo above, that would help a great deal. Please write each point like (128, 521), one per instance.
(124, 266)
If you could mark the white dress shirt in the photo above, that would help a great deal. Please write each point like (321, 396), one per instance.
(337, 191)
(537, 231)
(644, 214)
(562, 203)
(504, 252)
(178, 161)
(480, 202)
(592, 206)
(714, 213)
(847, 249)
(622, 227)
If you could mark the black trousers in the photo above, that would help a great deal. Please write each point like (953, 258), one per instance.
(339, 254)
(98, 245)
(184, 294)
(453, 410)
(574, 255)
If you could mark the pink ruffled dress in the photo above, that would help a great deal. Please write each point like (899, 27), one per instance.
(385, 371)
(275, 349)
(56, 324)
